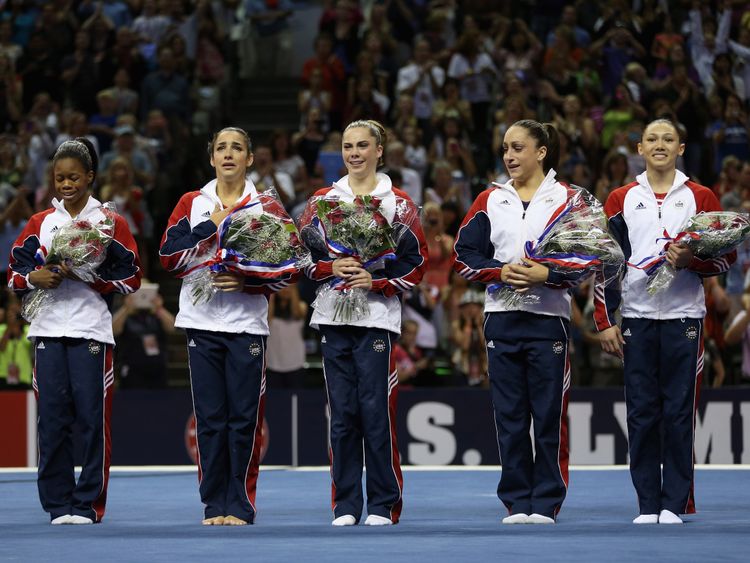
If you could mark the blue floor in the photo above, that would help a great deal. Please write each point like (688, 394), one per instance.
(448, 516)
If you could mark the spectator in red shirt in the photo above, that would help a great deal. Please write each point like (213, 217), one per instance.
(332, 73)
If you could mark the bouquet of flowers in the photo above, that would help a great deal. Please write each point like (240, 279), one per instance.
(365, 229)
(577, 241)
(708, 234)
(257, 239)
(81, 245)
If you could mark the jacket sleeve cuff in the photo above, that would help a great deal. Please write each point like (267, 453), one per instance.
(323, 269)
(379, 284)
(555, 278)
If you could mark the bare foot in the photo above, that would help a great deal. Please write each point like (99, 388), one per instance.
(234, 521)
(215, 521)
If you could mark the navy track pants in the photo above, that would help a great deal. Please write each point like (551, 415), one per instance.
(663, 369)
(362, 385)
(73, 382)
(529, 369)
(228, 381)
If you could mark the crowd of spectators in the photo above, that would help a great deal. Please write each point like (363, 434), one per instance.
(448, 78)
(148, 80)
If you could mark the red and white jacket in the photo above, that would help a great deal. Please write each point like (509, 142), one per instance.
(78, 311)
(494, 232)
(637, 222)
(189, 239)
(399, 275)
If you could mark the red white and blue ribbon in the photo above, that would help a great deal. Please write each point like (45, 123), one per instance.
(565, 261)
(227, 259)
(651, 264)
(338, 250)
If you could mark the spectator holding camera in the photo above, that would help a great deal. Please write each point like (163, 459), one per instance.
(475, 71)
(141, 326)
(286, 344)
(422, 79)
(617, 48)
(467, 336)
(708, 42)
(439, 246)
(452, 144)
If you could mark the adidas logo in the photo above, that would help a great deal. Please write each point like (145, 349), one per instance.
(323, 340)
(679, 205)
(505, 202)
(206, 214)
(191, 344)
(640, 206)
(54, 229)
(41, 346)
(491, 344)
(627, 332)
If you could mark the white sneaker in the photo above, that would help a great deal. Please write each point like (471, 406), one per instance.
(646, 519)
(75, 519)
(519, 518)
(375, 520)
(668, 517)
(539, 519)
(345, 520)
(64, 519)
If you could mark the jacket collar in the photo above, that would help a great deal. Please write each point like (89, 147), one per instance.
(91, 204)
(382, 188)
(209, 190)
(549, 181)
(679, 179)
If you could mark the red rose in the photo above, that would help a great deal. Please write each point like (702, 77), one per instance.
(380, 221)
(335, 216)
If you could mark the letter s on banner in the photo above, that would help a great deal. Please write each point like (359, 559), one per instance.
(425, 422)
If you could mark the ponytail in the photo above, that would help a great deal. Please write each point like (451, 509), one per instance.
(546, 136)
(552, 158)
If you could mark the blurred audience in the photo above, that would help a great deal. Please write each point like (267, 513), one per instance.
(147, 81)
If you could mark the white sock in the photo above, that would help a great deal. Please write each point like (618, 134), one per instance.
(519, 518)
(540, 519)
(75, 519)
(64, 519)
(668, 517)
(646, 519)
(375, 520)
(345, 520)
